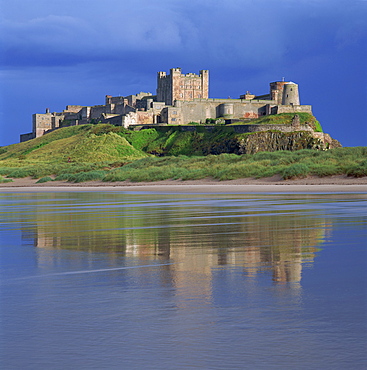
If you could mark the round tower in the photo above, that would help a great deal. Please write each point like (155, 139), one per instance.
(226, 110)
(290, 94)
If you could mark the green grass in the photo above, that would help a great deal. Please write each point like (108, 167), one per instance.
(284, 118)
(109, 153)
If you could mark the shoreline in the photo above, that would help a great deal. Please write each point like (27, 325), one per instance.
(332, 184)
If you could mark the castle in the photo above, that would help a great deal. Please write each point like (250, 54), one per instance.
(180, 99)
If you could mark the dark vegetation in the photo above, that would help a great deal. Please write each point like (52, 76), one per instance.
(109, 153)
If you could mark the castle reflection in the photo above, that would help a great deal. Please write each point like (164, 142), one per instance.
(198, 240)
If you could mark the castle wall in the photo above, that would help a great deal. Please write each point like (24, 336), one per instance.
(41, 123)
(85, 112)
(200, 110)
(119, 109)
(26, 137)
(172, 115)
(241, 129)
(164, 91)
(293, 109)
(145, 117)
(73, 116)
(73, 109)
(115, 120)
(137, 118)
(115, 100)
(56, 120)
(96, 111)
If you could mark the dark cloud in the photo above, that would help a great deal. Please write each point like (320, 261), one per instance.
(65, 51)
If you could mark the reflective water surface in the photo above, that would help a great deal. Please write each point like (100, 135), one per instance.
(215, 281)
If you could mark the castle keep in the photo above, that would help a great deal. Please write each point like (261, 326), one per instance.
(180, 99)
(179, 87)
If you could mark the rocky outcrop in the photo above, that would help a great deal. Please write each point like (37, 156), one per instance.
(271, 141)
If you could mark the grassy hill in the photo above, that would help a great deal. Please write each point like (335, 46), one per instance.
(109, 153)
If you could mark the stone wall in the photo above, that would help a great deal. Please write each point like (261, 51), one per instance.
(26, 137)
(183, 87)
(73, 108)
(276, 91)
(241, 129)
(293, 109)
(200, 110)
(96, 111)
(145, 118)
(41, 123)
(115, 120)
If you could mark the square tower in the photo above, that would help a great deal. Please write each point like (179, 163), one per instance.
(182, 87)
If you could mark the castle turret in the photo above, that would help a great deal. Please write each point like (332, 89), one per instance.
(290, 94)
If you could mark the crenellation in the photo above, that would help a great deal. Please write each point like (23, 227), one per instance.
(180, 99)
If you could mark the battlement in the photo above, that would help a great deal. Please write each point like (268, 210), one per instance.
(175, 70)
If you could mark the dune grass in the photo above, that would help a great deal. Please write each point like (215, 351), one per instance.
(289, 165)
(297, 164)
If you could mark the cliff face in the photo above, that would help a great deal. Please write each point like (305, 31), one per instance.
(271, 141)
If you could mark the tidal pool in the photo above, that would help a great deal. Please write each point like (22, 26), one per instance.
(125, 280)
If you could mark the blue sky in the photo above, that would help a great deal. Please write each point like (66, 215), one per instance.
(60, 52)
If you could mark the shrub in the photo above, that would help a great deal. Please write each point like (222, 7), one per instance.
(4, 180)
(358, 170)
(44, 179)
(299, 170)
(65, 177)
(20, 172)
(323, 170)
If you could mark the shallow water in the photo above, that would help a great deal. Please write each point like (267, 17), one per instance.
(216, 281)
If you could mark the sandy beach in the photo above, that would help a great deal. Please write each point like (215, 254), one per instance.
(330, 184)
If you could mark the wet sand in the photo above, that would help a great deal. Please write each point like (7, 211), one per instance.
(329, 184)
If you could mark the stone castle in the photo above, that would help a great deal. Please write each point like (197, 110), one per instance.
(180, 99)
